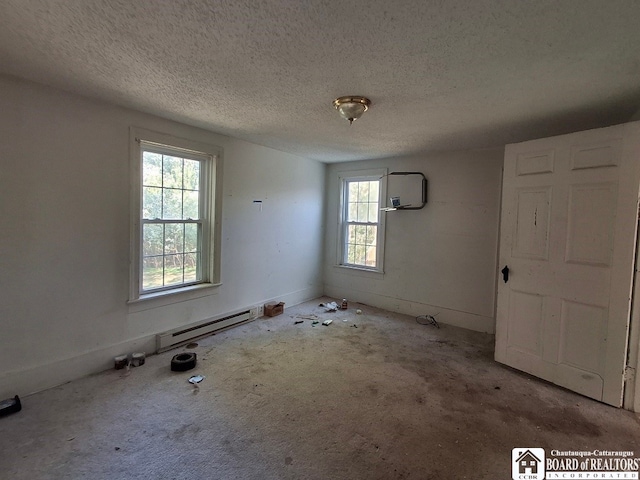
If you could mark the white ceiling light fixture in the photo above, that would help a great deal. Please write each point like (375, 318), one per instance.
(351, 107)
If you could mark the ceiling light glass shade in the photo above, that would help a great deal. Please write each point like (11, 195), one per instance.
(351, 108)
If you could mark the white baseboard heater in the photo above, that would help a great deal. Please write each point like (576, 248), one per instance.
(179, 336)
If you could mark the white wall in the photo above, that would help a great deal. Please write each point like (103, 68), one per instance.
(64, 240)
(438, 259)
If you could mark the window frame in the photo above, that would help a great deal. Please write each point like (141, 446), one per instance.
(344, 178)
(210, 156)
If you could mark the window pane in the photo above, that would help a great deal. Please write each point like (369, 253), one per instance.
(371, 235)
(191, 174)
(191, 208)
(152, 238)
(171, 204)
(191, 237)
(360, 245)
(371, 256)
(353, 191)
(373, 212)
(351, 253)
(151, 272)
(152, 169)
(373, 191)
(191, 267)
(151, 202)
(353, 212)
(173, 269)
(172, 172)
(351, 234)
(363, 212)
(173, 238)
(363, 192)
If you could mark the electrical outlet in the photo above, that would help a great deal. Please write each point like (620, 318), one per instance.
(260, 310)
(257, 311)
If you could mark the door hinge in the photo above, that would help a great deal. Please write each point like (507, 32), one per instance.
(629, 373)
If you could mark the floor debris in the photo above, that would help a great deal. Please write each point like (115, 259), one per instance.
(298, 321)
(10, 405)
(120, 362)
(428, 320)
(330, 306)
(183, 362)
(327, 322)
(196, 379)
(137, 359)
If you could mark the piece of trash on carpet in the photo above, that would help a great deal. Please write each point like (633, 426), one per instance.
(298, 321)
(314, 323)
(359, 312)
(330, 306)
(10, 405)
(196, 379)
(428, 320)
(327, 322)
(120, 362)
(273, 309)
(137, 359)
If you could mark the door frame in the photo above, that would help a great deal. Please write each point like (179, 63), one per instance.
(631, 395)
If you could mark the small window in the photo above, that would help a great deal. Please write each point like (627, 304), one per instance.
(174, 232)
(361, 221)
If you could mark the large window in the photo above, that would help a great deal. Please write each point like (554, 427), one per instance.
(174, 234)
(362, 230)
(173, 218)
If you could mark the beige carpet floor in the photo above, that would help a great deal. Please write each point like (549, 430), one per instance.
(371, 396)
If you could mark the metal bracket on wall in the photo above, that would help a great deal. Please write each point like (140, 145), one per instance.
(410, 207)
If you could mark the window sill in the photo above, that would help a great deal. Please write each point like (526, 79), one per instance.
(365, 272)
(168, 297)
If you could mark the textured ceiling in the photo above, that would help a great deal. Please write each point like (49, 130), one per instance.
(441, 75)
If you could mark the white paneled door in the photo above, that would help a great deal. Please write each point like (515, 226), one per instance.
(568, 228)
